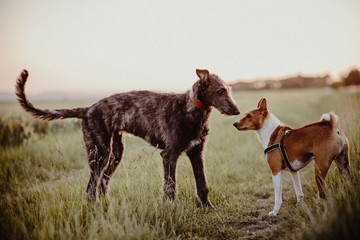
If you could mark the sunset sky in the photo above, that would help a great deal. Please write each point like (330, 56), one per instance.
(114, 46)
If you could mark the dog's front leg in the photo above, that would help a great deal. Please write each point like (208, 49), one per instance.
(197, 162)
(169, 162)
(295, 176)
(277, 187)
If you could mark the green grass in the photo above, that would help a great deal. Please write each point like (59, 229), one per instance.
(42, 182)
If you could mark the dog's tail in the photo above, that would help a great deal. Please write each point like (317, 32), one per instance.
(43, 114)
(331, 117)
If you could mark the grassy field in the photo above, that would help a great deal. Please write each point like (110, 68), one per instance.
(44, 173)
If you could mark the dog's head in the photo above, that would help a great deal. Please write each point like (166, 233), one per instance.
(253, 119)
(211, 90)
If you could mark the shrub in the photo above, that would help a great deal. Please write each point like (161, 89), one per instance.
(12, 132)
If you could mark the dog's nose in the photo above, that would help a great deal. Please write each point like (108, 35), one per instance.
(236, 112)
(235, 124)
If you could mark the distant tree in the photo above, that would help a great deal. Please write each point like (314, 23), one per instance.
(353, 78)
(337, 84)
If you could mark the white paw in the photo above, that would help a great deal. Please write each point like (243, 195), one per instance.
(273, 213)
(299, 200)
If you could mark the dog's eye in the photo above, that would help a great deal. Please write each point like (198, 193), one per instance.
(221, 91)
(248, 116)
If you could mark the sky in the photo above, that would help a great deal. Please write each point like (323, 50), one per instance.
(116, 45)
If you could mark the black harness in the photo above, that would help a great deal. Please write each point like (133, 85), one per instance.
(281, 146)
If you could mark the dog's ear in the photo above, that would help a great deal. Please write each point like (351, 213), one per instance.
(262, 104)
(203, 75)
(200, 85)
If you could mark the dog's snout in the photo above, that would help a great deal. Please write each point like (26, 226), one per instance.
(235, 124)
(236, 112)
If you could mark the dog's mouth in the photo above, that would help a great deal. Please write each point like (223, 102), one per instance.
(229, 111)
(240, 129)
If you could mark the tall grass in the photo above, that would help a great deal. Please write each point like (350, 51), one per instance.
(42, 180)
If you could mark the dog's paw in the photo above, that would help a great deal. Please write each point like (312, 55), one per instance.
(209, 205)
(299, 201)
(273, 213)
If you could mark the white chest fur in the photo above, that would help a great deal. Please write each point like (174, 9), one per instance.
(269, 126)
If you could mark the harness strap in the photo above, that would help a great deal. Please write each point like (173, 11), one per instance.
(271, 148)
(283, 152)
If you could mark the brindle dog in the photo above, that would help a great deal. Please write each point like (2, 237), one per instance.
(172, 122)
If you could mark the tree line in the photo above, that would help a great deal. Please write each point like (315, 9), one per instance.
(353, 78)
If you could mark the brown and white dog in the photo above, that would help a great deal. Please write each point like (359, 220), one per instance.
(321, 141)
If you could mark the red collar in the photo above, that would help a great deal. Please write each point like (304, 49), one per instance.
(197, 102)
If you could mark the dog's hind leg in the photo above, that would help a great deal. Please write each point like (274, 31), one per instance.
(117, 153)
(343, 163)
(97, 144)
(197, 162)
(169, 161)
(321, 169)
